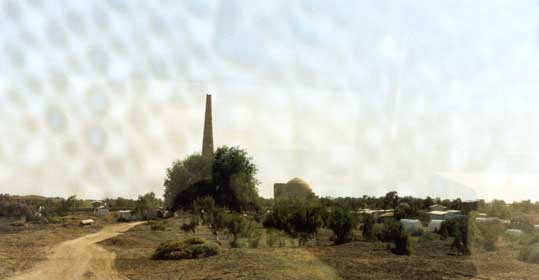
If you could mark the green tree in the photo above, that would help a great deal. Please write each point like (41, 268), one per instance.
(391, 200)
(342, 222)
(184, 174)
(235, 225)
(368, 227)
(305, 222)
(66, 205)
(146, 204)
(203, 204)
(234, 179)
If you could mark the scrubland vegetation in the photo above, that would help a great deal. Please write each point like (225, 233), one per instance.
(221, 222)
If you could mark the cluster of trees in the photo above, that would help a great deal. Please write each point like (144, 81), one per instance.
(14, 208)
(228, 178)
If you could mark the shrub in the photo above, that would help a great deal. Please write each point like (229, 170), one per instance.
(191, 248)
(489, 234)
(299, 221)
(215, 220)
(417, 232)
(529, 239)
(258, 238)
(304, 223)
(393, 231)
(341, 222)
(402, 242)
(191, 226)
(529, 254)
(385, 233)
(203, 204)
(369, 232)
(278, 238)
(15, 209)
(429, 236)
(155, 226)
(235, 224)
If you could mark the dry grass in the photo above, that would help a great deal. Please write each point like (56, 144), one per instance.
(22, 247)
(356, 260)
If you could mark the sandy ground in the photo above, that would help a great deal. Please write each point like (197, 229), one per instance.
(80, 258)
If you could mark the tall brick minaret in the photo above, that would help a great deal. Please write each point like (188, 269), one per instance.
(207, 140)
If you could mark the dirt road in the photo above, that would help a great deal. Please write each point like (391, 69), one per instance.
(80, 258)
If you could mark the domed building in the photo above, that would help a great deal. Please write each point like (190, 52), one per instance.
(295, 189)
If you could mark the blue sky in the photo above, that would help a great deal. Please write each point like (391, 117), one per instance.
(356, 97)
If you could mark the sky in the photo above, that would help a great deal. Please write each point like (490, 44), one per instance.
(98, 98)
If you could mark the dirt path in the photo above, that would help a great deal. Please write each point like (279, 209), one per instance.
(80, 258)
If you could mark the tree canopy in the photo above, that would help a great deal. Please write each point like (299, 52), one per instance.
(228, 177)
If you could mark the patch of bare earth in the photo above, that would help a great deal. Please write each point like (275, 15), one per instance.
(356, 260)
(22, 247)
(135, 248)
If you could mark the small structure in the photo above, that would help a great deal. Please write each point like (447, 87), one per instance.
(295, 189)
(101, 211)
(443, 215)
(514, 232)
(385, 216)
(434, 225)
(437, 207)
(411, 225)
(438, 215)
(88, 222)
(125, 215)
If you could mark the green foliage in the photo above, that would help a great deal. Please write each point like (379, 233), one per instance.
(386, 232)
(146, 205)
(489, 234)
(191, 248)
(529, 239)
(402, 242)
(184, 174)
(228, 178)
(191, 226)
(429, 236)
(204, 203)
(463, 230)
(13, 208)
(342, 222)
(66, 205)
(368, 227)
(299, 221)
(529, 254)
(235, 224)
(234, 178)
(391, 200)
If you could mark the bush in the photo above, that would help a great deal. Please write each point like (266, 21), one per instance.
(278, 238)
(191, 248)
(15, 209)
(429, 236)
(369, 223)
(402, 243)
(203, 204)
(155, 226)
(393, 231)
(529, 239)
(342, 222)
(385, 232)
(258, 238)
(529, 254)
(416, 232)
(235, 225)
(191, 226)
(299, 221)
